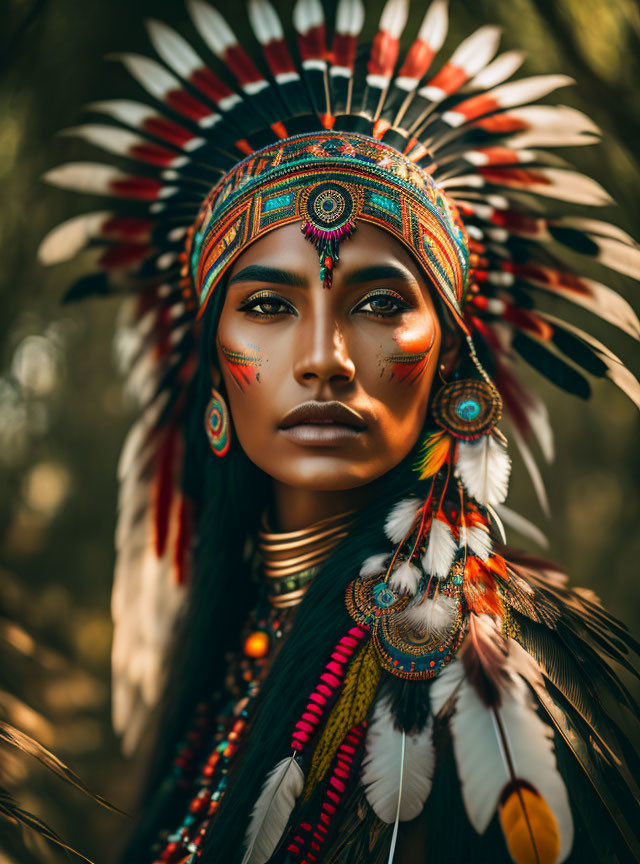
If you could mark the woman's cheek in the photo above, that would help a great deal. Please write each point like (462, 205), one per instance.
(415, 341)
(243, 365)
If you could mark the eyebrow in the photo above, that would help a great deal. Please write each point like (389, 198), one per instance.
(379, 272)
(271, 275)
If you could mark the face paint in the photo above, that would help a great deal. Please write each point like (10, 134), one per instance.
(409, 363)
(243, 366)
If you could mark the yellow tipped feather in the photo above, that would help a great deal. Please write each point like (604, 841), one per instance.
(435, 451)
(529, 828)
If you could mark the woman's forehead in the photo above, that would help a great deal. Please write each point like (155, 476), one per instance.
(370, 248)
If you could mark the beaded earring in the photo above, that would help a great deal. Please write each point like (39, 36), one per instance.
(467, 408)
(216, 424)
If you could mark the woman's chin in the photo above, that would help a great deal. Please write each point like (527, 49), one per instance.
(325, 471)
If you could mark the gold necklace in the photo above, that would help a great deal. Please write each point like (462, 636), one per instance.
(290, 560)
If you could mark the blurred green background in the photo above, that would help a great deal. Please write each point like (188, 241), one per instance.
(62, 417)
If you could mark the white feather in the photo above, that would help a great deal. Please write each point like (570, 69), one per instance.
(264, 21)
(307, 14)
(554, 183)
(109, 138)
(533, 470)
(435, 23)
(476, 50)
(394, 17)
(480, 749)
(89, 177)
(432, 615)
(375, 564)
(381, 767)
(599, 228)
(441, 550)
(484, 467)
(479, 541)
(280, 791)
(553, 126)
(498, 70)
(522, 525)
(126, 110)
(618, 256)
(528, 89)
(69, 238)
(150, 74)
(173, 48)
(349, 17)
(405, 579)
(210, 24)
(538, 417)
(401, 518)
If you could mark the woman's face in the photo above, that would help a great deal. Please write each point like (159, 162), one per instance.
(328, 389)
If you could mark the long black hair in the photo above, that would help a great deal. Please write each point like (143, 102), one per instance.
(230, 495)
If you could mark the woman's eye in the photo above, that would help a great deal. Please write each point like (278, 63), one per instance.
(266, 306)
(382, 305)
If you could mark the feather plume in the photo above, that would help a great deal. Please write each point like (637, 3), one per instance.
(271, 812)
(484, 467)
(441, 550)
(381, 767)
(405, 578)
(401, 518)
(375, 564)
(431, 615)
(495, 746)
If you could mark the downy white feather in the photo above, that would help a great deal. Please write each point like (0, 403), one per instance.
(484, 467)
(280, 791)
(441, 550)
(381, 767)
(375, 564)
(433, 615)
(401, 518)
(480, 749)
(405, 578)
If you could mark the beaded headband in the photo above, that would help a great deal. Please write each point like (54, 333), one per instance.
(361, 179)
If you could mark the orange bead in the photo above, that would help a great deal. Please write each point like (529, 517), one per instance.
(257, 644)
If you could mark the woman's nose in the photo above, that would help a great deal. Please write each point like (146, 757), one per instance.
(322, 353)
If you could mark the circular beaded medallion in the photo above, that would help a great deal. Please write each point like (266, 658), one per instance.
(402, 650)
(330, 206)
(467, 409)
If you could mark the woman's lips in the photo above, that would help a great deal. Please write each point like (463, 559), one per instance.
(322, 424)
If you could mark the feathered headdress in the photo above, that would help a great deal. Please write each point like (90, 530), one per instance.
(454, 159)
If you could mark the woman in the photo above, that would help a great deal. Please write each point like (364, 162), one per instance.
(337, 266)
